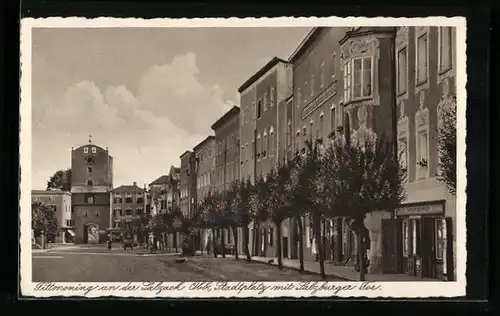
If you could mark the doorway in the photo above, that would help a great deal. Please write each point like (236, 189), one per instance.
(91, 233)
(284, 247)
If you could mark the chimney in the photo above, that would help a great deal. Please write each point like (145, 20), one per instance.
(135, 183)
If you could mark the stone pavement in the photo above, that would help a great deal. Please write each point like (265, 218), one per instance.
(342, 272)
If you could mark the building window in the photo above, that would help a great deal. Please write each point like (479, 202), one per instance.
(129, 212)
(271, 96)
(402, 70)
(422, 153)
(334, 64)
(332, 120)
(85, 150)
(347, 81)
(259, 109)
(89, 182)
(403, 153)
(253, 149)
(271, 142)
(311, 124)
(85, 213)
(362, 85)
(299, 97)
(266, 144)
(306, 85)
(320, 129)
(445, 48)
(140, 200)
(422, 67)
(441, 239)
(89, 169)
(96, 213)
(94, 150)
(117, 200)
(89, 198)
(406, 238)
(312, 85)
(128, 200)
(289, 134)
(259, 148)
(322, 84)
(265, 101)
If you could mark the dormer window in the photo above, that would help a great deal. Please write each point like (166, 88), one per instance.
(85, 150)
(94, 150)
(89, 182)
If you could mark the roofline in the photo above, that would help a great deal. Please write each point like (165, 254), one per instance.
(49, 192)
(209, 137)
(269, 65)
(185, 153)
(303, 43)
(233, 111)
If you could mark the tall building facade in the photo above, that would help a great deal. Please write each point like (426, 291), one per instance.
(227, 156)
(91, 187)
(344, 86)
(129, 203)
(60, 202)
(158, 193)
(262, 96)
(204, 153)
(204, 168)
(187, 184)
(426, 87)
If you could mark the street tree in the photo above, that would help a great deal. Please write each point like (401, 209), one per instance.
(60, 180)
(208, 210)
(359, 178)
(43, 221)
(259, 207)
(242, 215)
(279, 202)
(447, 146)
(304, 169)
(235, 202)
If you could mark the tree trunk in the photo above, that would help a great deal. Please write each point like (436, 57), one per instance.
(278, 245)
(214, 243)
(222, 243)
(301, 243)
(235, 233)
(246, 241)
(200, 238)
(319, 245)
(255, 238)
(361, 257)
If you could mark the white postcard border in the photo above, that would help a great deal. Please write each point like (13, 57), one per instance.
(386, 289)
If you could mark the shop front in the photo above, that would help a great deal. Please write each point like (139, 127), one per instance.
(422, 241)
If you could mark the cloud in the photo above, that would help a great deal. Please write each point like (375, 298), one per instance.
(146, 131)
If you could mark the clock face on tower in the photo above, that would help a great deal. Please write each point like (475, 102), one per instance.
(89, 160)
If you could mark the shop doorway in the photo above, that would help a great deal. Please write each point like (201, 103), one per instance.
(284, 247)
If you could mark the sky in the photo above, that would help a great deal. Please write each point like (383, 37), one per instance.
(148, 94)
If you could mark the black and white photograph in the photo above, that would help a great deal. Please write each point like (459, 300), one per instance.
(207, 159)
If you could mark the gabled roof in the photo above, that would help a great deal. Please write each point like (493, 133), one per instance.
(187, 152)
(209, 138)
(161, 180)
(270, 64)
(128, 188)
(235, 110)
(303, 44)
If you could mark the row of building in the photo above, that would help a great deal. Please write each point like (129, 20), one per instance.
(349, 81)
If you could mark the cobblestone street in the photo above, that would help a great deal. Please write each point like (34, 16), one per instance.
(97, 264)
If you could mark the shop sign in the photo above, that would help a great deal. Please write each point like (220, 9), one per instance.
(319, 100)
(429, 209)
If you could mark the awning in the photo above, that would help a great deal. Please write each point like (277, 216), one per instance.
(72, 233)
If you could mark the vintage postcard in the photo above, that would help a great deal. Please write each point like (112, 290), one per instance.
(283, 157)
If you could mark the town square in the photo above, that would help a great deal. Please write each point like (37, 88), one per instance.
(244, 154)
